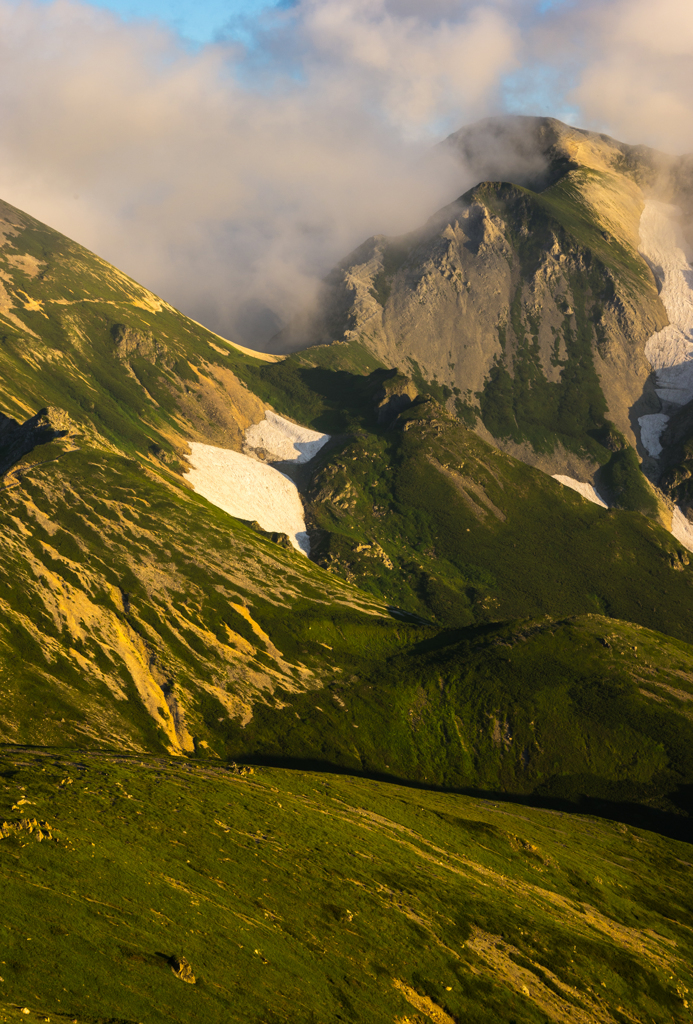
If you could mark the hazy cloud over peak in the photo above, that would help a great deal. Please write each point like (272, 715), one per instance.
(418, 69)
(230, 178)
(639, 78)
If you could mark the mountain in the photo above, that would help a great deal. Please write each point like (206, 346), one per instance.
(319, 693)
(527, 301)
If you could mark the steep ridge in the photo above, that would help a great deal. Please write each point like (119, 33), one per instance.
(670, 350)
(81, 336)
(416, 508)
(111, 564)
(136, 615)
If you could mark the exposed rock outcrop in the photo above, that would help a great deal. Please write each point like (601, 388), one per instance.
(182, 969)
(18, 439)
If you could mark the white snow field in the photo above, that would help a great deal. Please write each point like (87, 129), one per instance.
(248, 489)
(670, 351)
(586, 490)
(283, 440)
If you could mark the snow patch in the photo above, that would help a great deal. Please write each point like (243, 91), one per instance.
(248, 489)
(283, 440)
(682, 529)
(586, 490)
(670, 351)
(651, 428)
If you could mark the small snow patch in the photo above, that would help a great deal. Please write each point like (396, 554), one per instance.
(586, 490)
(284, 441)
(682, 529)
(249, 489)
(651, 428)
(670, 351)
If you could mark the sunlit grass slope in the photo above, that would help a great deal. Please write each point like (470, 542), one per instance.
(135, 614)
(78, 334)
(302, 897)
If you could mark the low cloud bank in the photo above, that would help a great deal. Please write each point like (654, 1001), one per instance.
(230, 179)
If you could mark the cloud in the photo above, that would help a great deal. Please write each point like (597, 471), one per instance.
(230, 178)
(415, 68)
(622, 66)
(640, 80)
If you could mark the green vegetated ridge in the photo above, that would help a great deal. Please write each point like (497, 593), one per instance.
(423, 511)
(332, 388)
(292, 896)
(135, 614)
(588, 713)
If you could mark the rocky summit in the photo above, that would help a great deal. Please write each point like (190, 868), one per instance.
(354, 681)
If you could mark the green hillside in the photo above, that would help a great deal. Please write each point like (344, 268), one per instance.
(126, 367)
(291, 896)
(417, 509)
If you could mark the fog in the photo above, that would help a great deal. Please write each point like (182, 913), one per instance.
(229, 179)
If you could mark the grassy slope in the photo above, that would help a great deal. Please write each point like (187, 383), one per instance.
(300, 897)
(431, 517)
(62, 343)
(131, 622)
(121, 583)
(587, 712)
(295, 897)
(112, 606)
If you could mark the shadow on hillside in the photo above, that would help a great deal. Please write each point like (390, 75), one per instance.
(672, 824)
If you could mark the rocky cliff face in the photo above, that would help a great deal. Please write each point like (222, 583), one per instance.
(526, 301)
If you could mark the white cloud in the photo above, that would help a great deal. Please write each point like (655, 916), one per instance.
(631, 64)
(228, 179)
(417, 70)
(223, 180)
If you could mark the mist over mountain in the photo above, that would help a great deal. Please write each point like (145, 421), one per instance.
(232, 177)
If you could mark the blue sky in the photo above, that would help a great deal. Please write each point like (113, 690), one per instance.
(201, 21)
